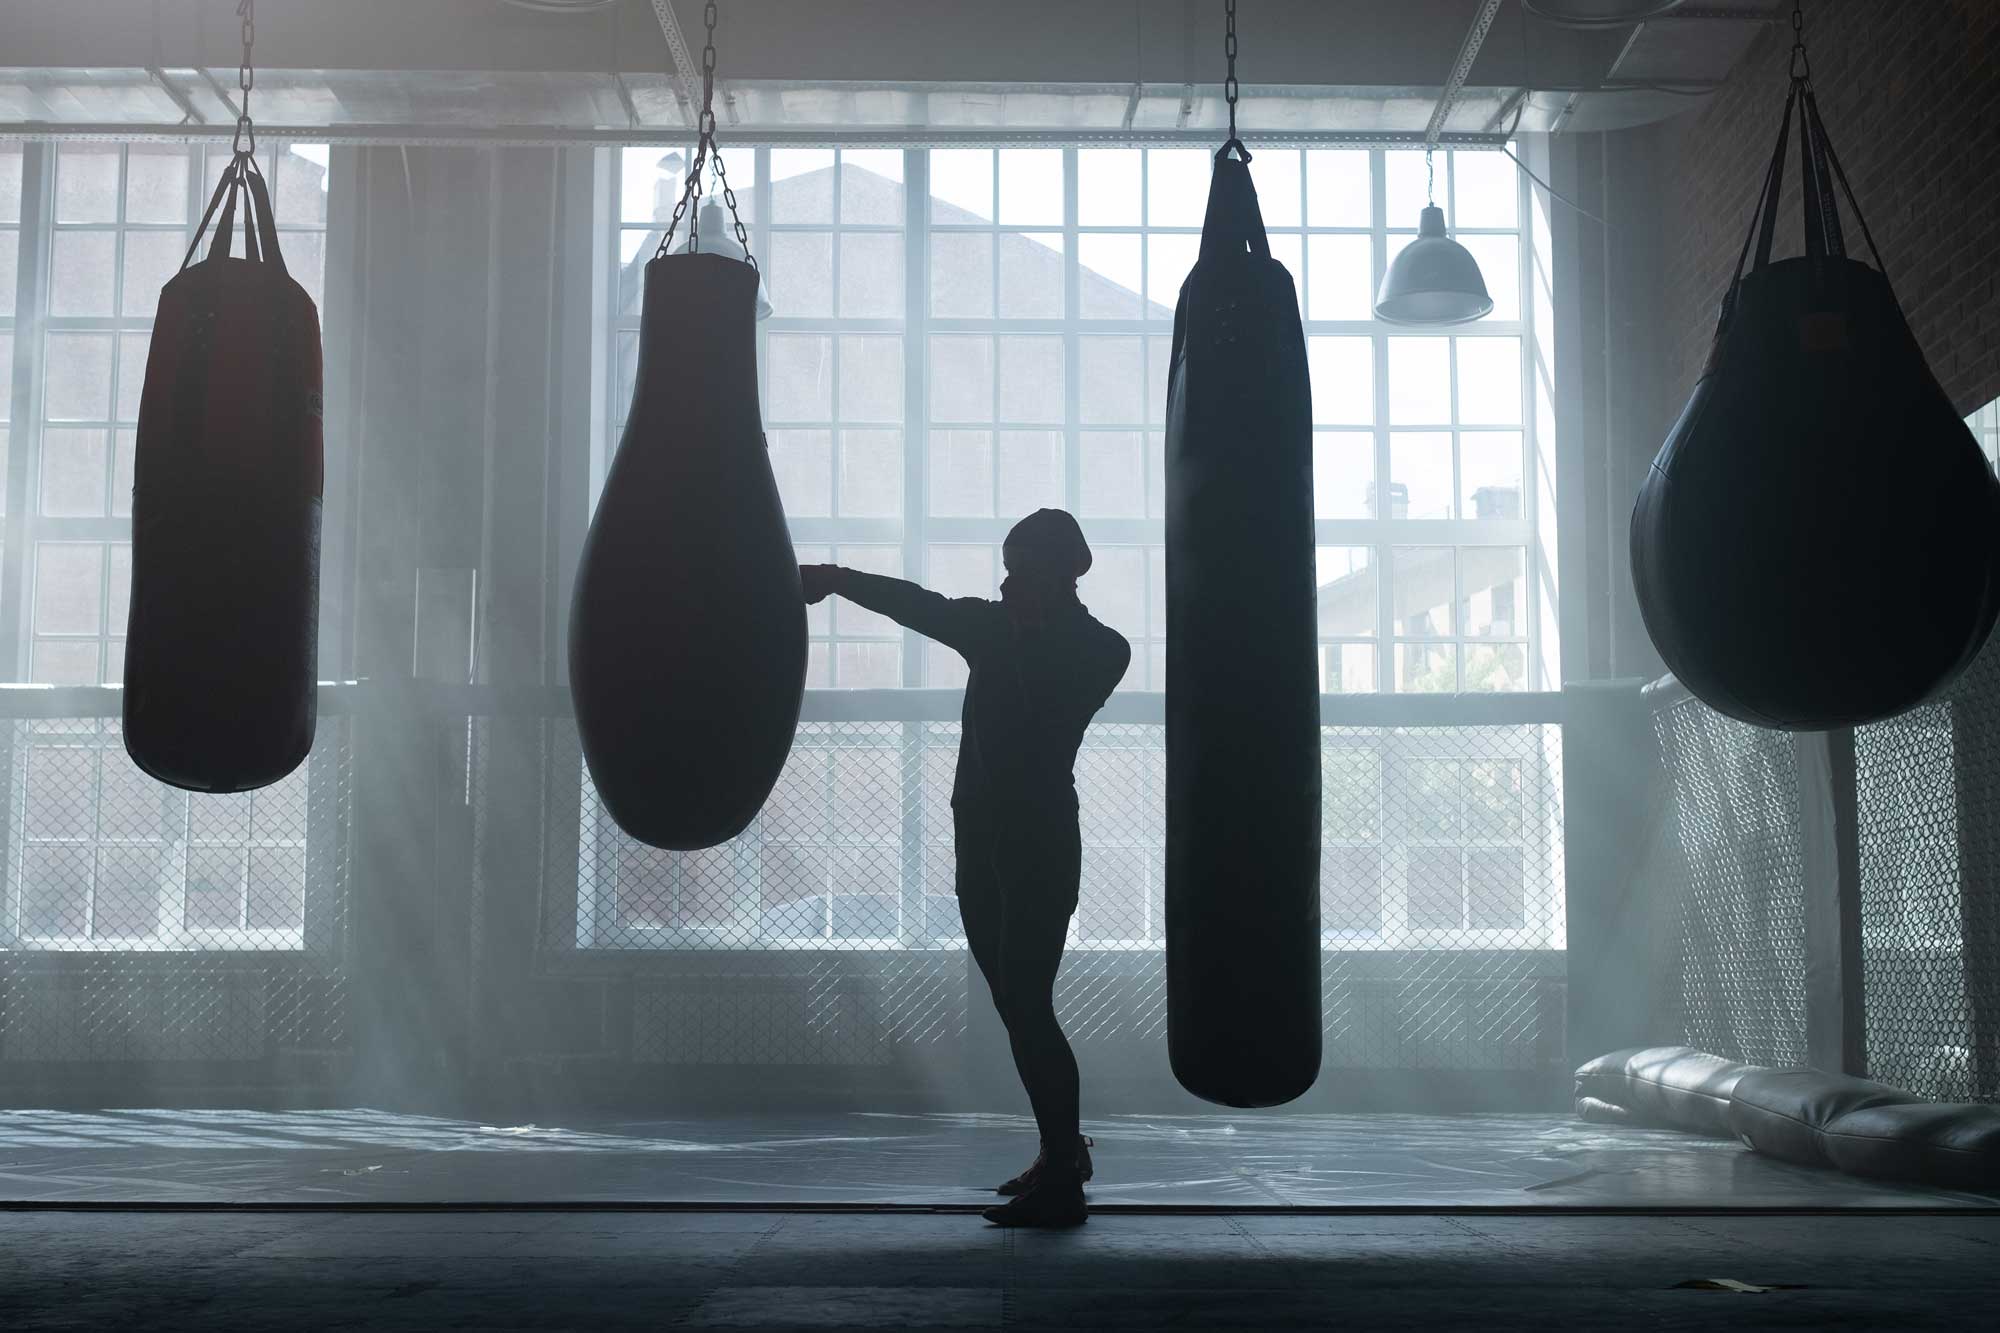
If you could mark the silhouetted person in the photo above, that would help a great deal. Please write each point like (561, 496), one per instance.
(1041, 666)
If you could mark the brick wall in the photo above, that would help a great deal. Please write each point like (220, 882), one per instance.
(1910, 92)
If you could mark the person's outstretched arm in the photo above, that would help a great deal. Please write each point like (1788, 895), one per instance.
(953, 622)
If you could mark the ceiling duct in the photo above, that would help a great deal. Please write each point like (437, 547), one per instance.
(1598, 13)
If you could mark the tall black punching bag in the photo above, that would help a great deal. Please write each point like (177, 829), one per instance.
(1243, 738)
(687, 639)
(222, 634)
(1816, 543)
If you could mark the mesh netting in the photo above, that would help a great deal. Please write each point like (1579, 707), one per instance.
(140, 922)
(829, 934)
(1928, 782)
(1739, 879)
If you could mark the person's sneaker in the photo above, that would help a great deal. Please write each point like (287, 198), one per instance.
(1052, 1201)
(1024, 1182)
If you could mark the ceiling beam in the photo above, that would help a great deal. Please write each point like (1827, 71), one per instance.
(1461, 69)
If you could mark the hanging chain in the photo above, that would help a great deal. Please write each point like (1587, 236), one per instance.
(1801, 65)
(706, 155)
(246, 79)
(1430, 177)
(1229, 85)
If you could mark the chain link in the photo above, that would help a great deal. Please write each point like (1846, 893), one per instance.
(706, 154)
(1801, 67)
(1229, 85)
(246, 79)
(1430, 177)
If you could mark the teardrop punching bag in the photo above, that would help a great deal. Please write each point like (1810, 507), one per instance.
(1816, 543)
(222, 634)
(1242, 706)
(687, 637)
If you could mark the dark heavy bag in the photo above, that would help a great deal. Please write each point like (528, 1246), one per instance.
(222, 639)
(1815, 545)
(1243, 740)
(687, 638)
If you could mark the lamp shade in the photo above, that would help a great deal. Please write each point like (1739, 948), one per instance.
(1598, 13)
(719, 238)
(1435, 280)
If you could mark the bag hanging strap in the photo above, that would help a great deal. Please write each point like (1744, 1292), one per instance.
(1234, 222)
(1833, 161)
(267, 222)
(1822, 212)
(1774, 185)
(241, 181)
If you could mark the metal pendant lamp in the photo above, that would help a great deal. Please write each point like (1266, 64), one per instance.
(1598, 13)
(1434, 280)
(709, 222)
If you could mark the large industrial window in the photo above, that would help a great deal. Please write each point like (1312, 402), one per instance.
(961, 335)
(99, 856)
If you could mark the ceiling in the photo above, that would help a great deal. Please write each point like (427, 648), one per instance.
(535, 70)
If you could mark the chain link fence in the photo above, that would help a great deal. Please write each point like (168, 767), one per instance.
(1737, 871)
(139, 922)
(1928, 783)
(829, 932)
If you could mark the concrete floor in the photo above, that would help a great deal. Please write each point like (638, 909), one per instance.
(908, 1271)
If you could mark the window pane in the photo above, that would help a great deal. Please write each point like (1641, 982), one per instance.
(1031, 379)
(1343, 380)
(1337, 193)
(1159, 374)
(850, 618)
(7, 380)
(1031, 187)
(961, 468)
(79, 376)
(1112, 481)
(132, 348)
(10, 272)
(1425, 668)
(1343, 474)
(1109, 276)
(1404, 182)
(871, 275)
(1420, 474)
(871, 186)
(10, 184)
(1340, 278)
(1031, 275)
(1489, 381)
(1030, 478)
(1420, 381)
(1177, 186)
(302, 179)
(156, 181)
(151, 258)
(125, 445)
(1115, 588)
(1498, 258)
(86, 183)
(127, 902)
(802, 273)
(214, 888)
(801, 185)
(803, 462)
(1424, 590)
(871, 377)
(650, 180)
(961, 185)
(1169, 258)
(1496, 666)
(74, 477)
(1275, 173)
(1112, 380)
(801, 373)
(82, 273)
(1493, 592)
(962, 275)
(867, 666)
(871, 473)
(1347, 597)
(1347, 668)
(69, 588)
(65, 662)
(1490, 464)
(1487, 190)
(1107, 187)
(961, 377)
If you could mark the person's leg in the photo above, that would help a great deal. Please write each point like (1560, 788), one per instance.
(1038, 884)
(978, 889)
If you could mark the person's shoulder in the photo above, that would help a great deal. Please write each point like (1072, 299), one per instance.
(1109, 639)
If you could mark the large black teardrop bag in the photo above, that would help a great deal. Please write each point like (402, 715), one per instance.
(1242, 706)
(222, 633)
(687, 636)
(1815, 545)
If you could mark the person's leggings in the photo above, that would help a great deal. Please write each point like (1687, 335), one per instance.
(1017, 890)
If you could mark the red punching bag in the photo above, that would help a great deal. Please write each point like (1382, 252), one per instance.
(1818, 542)
(687, 640)
(222, 636)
